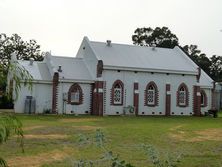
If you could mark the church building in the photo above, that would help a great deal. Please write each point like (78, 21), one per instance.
(106, 78)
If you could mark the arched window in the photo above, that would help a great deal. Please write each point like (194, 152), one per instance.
(151, 94)
(117, 93)
(203, 98)
(182, 95)
(75, 94)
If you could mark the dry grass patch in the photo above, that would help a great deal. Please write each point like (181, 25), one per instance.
(38, 160)
(86, 127)
(76, 120)
(33, 127)
(201, 135)
(48, 136)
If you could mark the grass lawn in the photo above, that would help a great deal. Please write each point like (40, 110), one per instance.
(54, 140)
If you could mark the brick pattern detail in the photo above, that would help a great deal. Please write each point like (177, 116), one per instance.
(156, 100)
(55, 83)
(187, 95)
(91, 99)
(104, 97)
(136, 97)
(168, 101)
(117, 82)
(205, 98)
(99, 68)
(74, 88)
(196, 101)
(98, 99)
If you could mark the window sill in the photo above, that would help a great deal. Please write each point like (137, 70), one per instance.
(117, 104)
(151, 105)
(75, 103)
(183, 106)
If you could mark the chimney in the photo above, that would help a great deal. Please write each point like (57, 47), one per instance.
(60, 69)
(108, 42)
(31, 60)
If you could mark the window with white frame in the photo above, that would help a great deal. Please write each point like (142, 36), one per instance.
(151, 95)
(75, 96)
(203, 98)
(182, 96)
(117, 94)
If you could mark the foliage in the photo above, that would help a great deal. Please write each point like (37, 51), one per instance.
(10, 125)
(99, 141)
(163, 37)
(158, 37)
(199, 58)
(149, 150)
(6, 102)
(154, 156)
(24, 50)
(19, 75)
(216, 67)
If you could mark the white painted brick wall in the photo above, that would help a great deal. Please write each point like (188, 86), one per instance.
(128, 78)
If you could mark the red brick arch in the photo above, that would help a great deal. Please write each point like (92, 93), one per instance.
(156, 100)
(74, 88)
(187, 95)
(117, 82)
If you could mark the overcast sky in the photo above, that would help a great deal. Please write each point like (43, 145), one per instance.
(60, 25)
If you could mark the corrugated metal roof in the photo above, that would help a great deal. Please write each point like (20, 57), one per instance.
(72, 68)
(205, 80)
(38, 70)
(121, 55)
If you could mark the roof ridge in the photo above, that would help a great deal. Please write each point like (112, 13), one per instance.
(131, 45)
(66, 57)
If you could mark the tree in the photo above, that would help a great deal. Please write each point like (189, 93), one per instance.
(10, 125)
(158, 37)
(216, 68)
(24, 50)
(199, 58)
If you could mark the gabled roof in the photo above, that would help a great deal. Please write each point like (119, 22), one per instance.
(205, 80)
(72, 68)
(139, 57)
(38, 70)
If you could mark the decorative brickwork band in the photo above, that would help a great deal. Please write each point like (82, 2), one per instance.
(136, 97)
(76, 90)
(98, 98)
(91, 98)
(182, 96)
(55, 83)
(196, 101)
(151, 95)
(168, 100)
